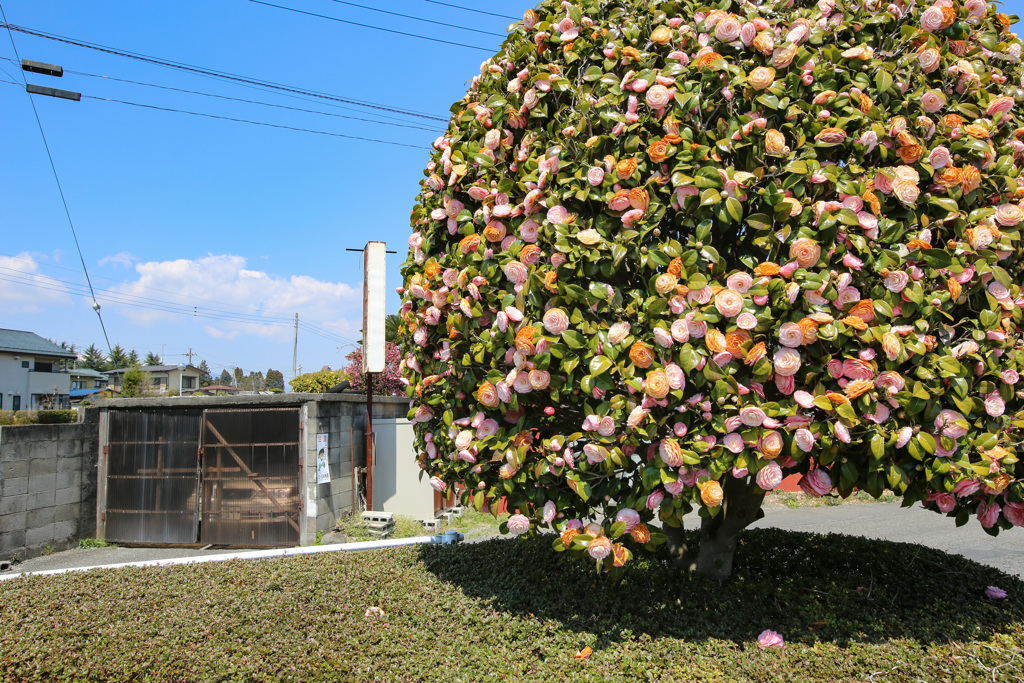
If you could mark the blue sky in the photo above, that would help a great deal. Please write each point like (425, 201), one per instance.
(208, 234)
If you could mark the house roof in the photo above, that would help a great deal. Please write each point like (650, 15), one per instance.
(79, 393)
(218, 387)
(87, 372)
(154, 368)
(19, 341)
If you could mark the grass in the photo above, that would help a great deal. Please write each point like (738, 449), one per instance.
(87, 543)
(799, 499)
(850, 609)
(475, 525)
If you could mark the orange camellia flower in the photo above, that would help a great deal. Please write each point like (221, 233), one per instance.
(631, 53)
(805, 251)
(550, 278)
(865, 104)
(767, 269)
(706, 60)
(469, 243)
(948, 16)
(486, 394)
(620, 555)
(891, 345)
(858, 387)
(711, 493)
(658, 151)
(568, 535)
(977, 131)
(675, 266)
(661, 35)
(640, 533)
(864, 309)
(756, 353)
(918, 244)
(775, 142)
(524, 339)
(641, 355)
(854, 322)
(783, 56)
(861, 52)
(911, 154)
(494, 232)
(734, 342)
(762, 77)
(638, 198)
(954, 288)
(764, 43)
(950, 176)
(809, 329)
(715, 340)
(432, 269)
(625, 168)
(831, 136)
(770, 444)
(665, 283)
(971, 180)
(657, 384)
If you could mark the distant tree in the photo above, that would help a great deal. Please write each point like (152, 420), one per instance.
(205, 378)
(387, 383)
(275, 379)
(225, 378)
(152, 359)
(239, 378)
(317, 382)
(133, 357)
(392, 324)
(255, 381)
(94, 359)
(118, 358)
(133, 382)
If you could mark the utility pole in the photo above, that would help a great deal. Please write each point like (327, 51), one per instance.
(295, 346)
(190, 355)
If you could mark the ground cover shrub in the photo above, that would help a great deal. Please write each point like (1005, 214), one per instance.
(52, 417)
(501, 609)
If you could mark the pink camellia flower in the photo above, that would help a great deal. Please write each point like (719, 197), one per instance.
(618, 332)
(658, 97)
(516, 272)
(932, 101)
(600, 547)
(896, 281)
(487, 428)
(904, 437)
(518, 525)
(595, 176)
(995, 593)
(438, 484)
(1014, 513)
(1000, 105)
(752, 416)
(1010, 377)
(548, 512)
(945, 502)
(556, 321)
(739, 282)
(636, 417)
(791, 335)
(784, 383)
(654, 500)
(988, 514)
(842, 433)
(746, 321)
(804, 440)
(803, 399)
(994, 404)
(729, 303)
(528, 230)
(932, 19)
(787, 362)
(965, 488)
(629, 516)
(816, 483)
(607, 426)
(770, 639)
(939, 157)
(770, 476)
(945, 422)
(734, 443)
(549, 411)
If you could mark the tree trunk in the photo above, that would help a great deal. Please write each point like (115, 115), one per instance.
(741, 506)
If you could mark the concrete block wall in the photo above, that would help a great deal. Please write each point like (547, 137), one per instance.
(343, 418)
(47, 486)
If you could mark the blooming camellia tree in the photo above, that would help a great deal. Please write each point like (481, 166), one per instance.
(666, 255)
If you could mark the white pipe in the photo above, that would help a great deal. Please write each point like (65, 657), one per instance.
(258, 554)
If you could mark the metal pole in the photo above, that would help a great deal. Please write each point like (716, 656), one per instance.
(369, 440)
(295, 347)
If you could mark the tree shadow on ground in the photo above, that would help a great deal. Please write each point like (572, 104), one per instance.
(815, 588)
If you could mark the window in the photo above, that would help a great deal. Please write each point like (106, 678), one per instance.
(24, 363)
(160, 381)
(188, 382)
(43, 367)
(76, 385)
(98, 384)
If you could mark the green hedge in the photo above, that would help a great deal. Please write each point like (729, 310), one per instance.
(40, 417)
(513, 610)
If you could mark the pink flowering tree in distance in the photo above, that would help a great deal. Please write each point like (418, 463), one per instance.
(666, 255)
(387, 383)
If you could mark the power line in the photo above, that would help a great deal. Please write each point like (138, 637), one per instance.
(370, 26)
(217, 74)
(255, 123)
(60, 189)
(470, 9)
(426, 21)
(239, 99)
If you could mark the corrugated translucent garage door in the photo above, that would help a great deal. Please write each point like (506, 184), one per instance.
(153, 476)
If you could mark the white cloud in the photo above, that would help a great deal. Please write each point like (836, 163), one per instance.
(123, 259)
(233, 300)
(23, 289)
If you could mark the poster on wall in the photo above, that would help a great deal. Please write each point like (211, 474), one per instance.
(323, 470)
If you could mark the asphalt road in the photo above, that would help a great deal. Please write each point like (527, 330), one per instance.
(886, 521)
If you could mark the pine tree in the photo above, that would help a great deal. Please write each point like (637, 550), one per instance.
(153, 359)
(225, 379)
(205, 378)
(239, 378)
(118, 358)
(275, 379)
(94, 359)
(133, 358)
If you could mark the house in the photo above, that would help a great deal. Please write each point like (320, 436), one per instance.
(161, 379)
(87, 383)
(217, 390)
(33, 372)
